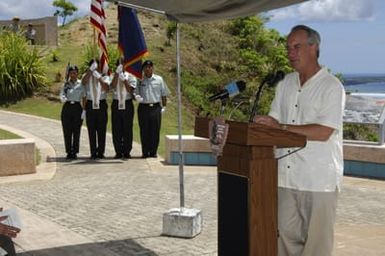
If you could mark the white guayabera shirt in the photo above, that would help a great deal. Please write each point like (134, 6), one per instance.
(319, 166)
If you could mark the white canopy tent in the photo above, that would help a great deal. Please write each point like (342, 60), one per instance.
(187, 11)
(204, 10)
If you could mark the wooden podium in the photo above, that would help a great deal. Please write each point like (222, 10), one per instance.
(247, 187)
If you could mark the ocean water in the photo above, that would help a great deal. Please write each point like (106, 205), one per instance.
(364, 83)
(365, 102)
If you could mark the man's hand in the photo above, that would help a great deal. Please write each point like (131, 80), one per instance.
(119, 69)
(122, 76)
(138, 98)
(96, 74)
(63, 99)
(94, 66)
(8, 230)
(266, 120)
(163, 110)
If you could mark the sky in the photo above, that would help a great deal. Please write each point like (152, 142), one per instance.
(352, 31)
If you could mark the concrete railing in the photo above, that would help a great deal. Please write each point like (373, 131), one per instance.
(364, 159)
(17, 156)
(360, 158)
(196, 150)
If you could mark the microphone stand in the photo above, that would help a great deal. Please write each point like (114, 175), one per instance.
(256, 101)
(223, 106)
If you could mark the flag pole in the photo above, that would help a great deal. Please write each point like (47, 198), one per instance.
(137, 7)
(181, 158)
(94, 51)
(179, 222)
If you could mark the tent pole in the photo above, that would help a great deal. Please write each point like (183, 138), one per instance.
(137, 7)
(181, 158)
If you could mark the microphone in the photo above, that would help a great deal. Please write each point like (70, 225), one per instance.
(230, 91)
(271, 79)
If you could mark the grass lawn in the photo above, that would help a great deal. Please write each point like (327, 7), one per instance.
(5, 135)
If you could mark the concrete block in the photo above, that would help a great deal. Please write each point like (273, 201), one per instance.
(17, 156)
(190, 144)
(182, 222)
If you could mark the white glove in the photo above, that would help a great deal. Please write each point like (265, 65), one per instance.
(163, 110)
(119, 69)
(122, 76)
(96, 74)
(83, 115)
(138, 98)
(94, 66)
(133, 86)
(63, 99)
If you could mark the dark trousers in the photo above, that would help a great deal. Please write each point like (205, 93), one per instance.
(96, 120)
(71, 122)
(7, 244)
(122, 121)
(150, 118)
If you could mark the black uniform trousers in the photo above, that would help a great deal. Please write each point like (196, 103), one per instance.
(150, 117)
(7, 244)
(122, 122)
(71, 122)
(96, 120)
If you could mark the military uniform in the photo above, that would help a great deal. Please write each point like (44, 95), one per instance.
(122, 116)
(96, 116)
(153, 90)
(72, 93)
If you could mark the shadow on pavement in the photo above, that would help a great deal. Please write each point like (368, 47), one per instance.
(85, 160)
(110, 248)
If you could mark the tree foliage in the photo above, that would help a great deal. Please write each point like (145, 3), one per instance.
(21, 68)
(170, 32)
(65, 9)
(258, 51)
(262, 50)
(361, 132)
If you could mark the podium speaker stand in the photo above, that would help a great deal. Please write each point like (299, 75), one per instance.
(247, 187)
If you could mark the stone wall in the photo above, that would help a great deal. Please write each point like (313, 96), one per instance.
(46, 29)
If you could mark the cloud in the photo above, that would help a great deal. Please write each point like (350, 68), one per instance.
(327, 10)
(27, 9)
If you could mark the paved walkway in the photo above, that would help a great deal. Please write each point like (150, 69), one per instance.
(115, 207)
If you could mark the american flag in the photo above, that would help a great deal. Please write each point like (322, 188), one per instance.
(97, 20)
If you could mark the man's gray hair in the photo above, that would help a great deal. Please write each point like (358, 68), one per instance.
(313, 36)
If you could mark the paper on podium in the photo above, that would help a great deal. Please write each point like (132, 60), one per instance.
(13, 219)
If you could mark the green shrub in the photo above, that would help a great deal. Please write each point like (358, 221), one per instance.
(21, 68)
(361, 132)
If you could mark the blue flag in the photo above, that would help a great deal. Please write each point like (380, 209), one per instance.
(131, 41)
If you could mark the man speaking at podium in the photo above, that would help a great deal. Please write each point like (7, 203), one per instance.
(309, 101)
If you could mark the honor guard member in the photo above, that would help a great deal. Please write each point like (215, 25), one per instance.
(97, 87)
(154, 92)
(122, 111)
(72, 94)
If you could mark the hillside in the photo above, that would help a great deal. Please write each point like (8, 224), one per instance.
(212, 55)
(204, 46)
(207, 53)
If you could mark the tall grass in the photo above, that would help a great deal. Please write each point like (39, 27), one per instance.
(21, 68)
